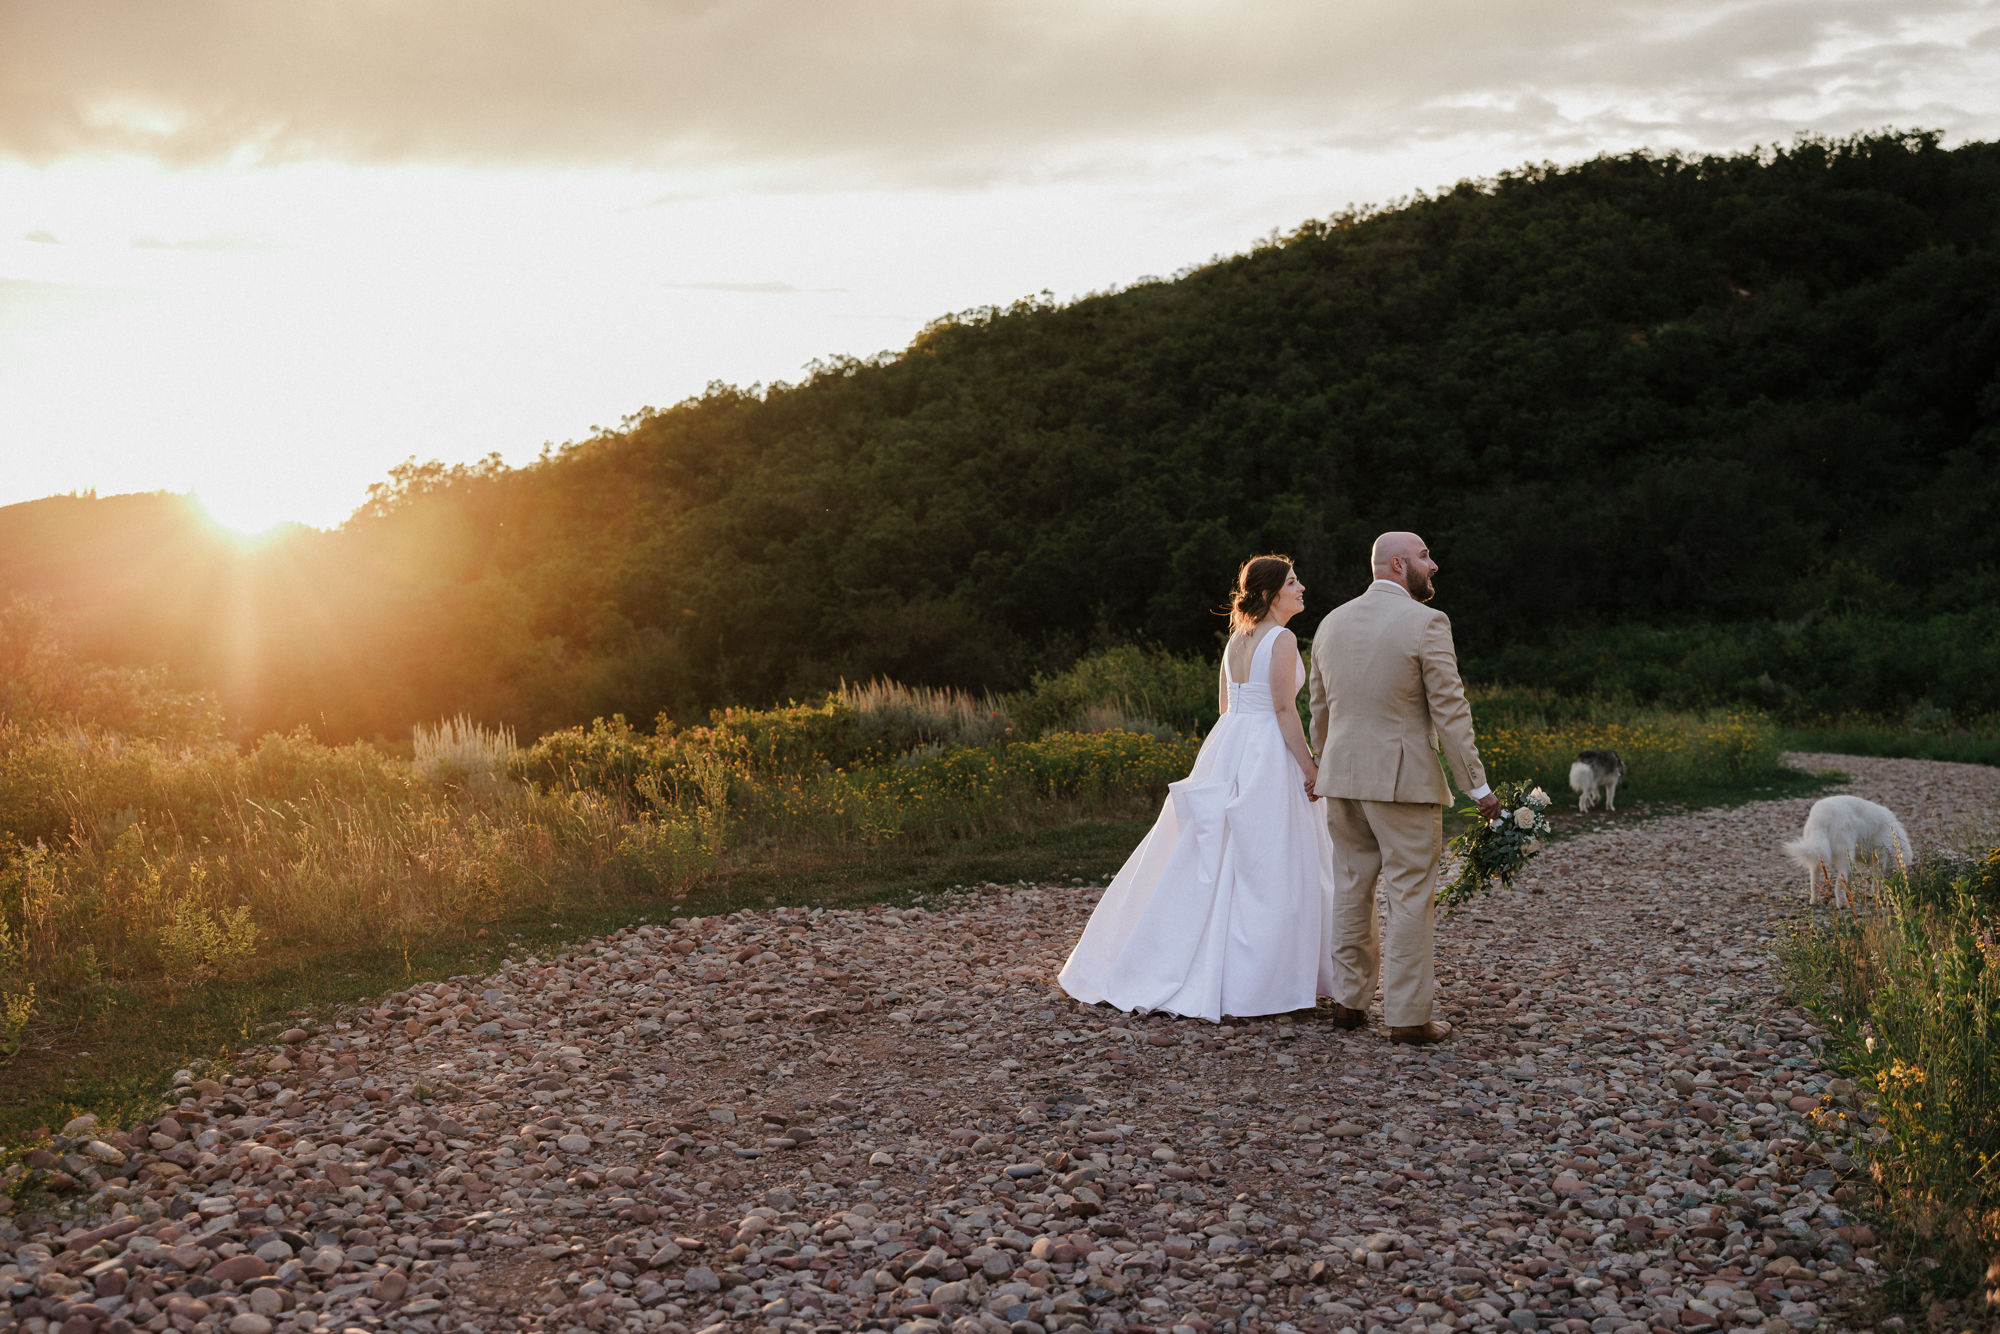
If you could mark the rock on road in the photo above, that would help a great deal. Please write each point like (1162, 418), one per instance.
(798, 1120)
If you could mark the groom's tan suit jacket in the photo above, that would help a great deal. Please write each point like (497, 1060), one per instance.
(1386, 697)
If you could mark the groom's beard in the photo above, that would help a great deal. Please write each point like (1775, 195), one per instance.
(1420, 586)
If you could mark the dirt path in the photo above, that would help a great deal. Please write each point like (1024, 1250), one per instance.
(809, 1120)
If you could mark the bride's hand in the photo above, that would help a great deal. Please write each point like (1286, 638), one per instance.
(1310, 794)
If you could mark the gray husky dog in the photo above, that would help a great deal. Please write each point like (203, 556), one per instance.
(1595, 770)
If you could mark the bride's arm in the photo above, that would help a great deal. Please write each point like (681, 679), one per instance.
(1285, 699)
(1222, 687)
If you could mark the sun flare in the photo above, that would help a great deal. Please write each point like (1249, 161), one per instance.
(242, 514)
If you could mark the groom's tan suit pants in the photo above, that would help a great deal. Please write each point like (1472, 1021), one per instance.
(1399, 841)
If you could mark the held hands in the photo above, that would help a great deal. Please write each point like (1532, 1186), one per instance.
(1310, 794)
(1489, 807)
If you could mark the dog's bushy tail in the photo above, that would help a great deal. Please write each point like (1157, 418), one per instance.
(1808, 853)
(1579, 776)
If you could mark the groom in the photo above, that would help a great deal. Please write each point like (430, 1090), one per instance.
(1385, 694)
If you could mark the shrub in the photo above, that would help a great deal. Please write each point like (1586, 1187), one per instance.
(1138, 682)
(1060, 766)
(17, 993)
(607, 756)
(1109, 717)
(1822, 664)
(799, 738)
(200, 944)
(1922, 734)
(665, 851)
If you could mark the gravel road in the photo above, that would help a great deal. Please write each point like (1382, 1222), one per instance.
(801, 1120)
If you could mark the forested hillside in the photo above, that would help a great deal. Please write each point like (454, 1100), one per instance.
(1699, 428)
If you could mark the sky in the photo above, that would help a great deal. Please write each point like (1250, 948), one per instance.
(264, 252)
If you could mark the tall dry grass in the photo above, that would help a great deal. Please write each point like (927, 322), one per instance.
(125, 855)
(459, 750)
(900, 718)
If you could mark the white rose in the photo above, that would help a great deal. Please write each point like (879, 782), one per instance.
(1524, 818)
(1539, 799)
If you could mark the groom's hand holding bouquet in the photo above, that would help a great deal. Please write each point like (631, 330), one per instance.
(1513, 826)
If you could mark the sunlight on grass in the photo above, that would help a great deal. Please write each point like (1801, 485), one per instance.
(165, 889)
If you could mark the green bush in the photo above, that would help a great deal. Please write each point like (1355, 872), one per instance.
(1139, 683)
(608, 756)
(612, 756)
(199, 944)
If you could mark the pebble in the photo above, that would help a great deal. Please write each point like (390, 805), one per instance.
(894, 1118)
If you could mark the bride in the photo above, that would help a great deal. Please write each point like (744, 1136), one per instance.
(1227, 907)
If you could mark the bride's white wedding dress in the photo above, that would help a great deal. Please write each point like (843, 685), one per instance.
(1227, 907)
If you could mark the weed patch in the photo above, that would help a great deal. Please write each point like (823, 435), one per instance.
(1910, 987)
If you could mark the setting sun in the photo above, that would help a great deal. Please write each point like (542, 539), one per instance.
(247, 512)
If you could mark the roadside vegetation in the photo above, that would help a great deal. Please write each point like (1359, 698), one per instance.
(1924, 733)
(1909, 985)
(164, 891)
(1673, 757)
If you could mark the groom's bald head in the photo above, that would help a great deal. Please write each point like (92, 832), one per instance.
(1403, 558)
(1389, 547)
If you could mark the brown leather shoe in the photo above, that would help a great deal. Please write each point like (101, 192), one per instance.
(1421, 1035)
(1346, 1018)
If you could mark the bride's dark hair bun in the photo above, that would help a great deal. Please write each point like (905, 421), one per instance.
(1258, 581)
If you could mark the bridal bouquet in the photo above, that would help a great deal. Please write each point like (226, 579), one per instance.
(1497, 849)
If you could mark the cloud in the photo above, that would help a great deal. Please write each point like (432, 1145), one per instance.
(761, 289)
(225, 244)
(965, 92)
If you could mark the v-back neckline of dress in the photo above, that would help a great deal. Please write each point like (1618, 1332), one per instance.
(1250, 669)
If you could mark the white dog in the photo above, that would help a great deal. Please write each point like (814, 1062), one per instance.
(1841, 833)
(1593, 771)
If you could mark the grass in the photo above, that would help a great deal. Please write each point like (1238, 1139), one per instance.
(1909, 986)
(162, 899)
(118, 1061)
(1919, 737)
(1674, 760)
